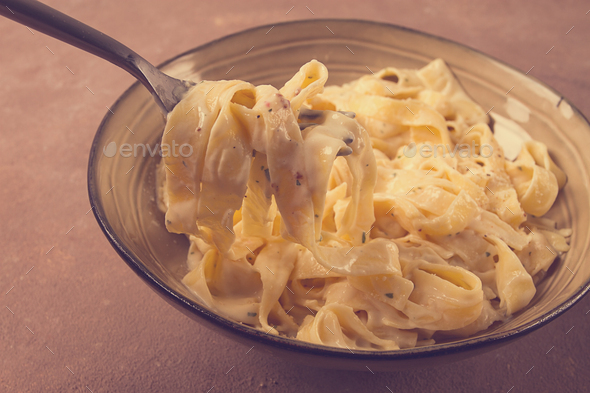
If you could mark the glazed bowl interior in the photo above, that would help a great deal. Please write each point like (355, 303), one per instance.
(122, 186)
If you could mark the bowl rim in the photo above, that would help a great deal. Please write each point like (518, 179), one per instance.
(236, 328)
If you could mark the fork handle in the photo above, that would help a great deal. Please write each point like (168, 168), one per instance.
(49, 21)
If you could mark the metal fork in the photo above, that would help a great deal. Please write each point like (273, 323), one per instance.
(166, 90)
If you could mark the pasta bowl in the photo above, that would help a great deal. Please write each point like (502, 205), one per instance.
(122, 169)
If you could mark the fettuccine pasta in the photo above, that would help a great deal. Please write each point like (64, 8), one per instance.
(381, 232)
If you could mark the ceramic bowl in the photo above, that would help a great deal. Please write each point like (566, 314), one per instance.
(122, 186)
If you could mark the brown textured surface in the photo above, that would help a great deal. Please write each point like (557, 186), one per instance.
(89, 312)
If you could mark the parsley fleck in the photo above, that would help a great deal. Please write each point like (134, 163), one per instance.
(251, 314)
(364, 237)
(389, 295)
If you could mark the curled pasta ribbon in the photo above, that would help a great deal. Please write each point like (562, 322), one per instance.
(537, 256)
(337, 325)
(542, 158)
(536, 185)
(475, 253)
(456, 104)
(454, 218)
(226, 286)
(424, 122)
(259, 210)
(514, 283)
(274, 264)
(389, 289)
(415, 294)
(185, 176)
(389, 82)
(488, 223)
(487, 170)
(557, 240)
(460, 305)
(481, 134)
(486, 318)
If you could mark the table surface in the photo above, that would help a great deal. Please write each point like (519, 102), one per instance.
(74, 317)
